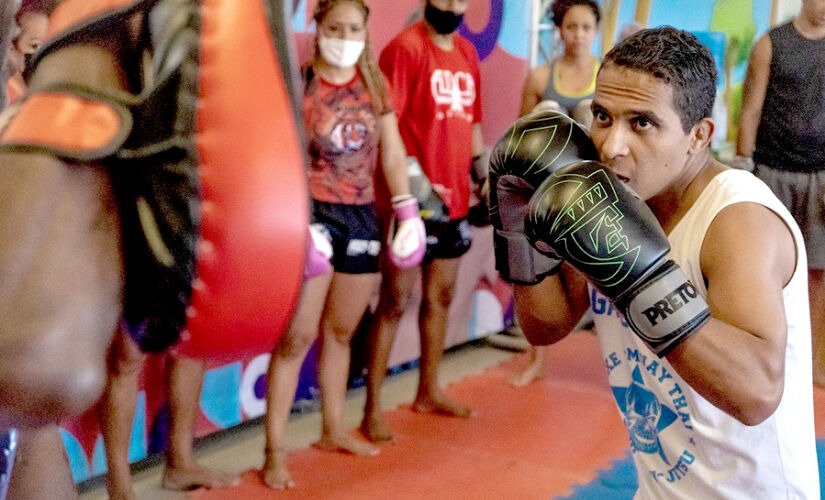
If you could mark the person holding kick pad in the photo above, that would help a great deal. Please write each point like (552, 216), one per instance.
(695, 275)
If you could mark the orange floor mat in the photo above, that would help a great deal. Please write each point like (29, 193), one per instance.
(534, 442)
(547, 440)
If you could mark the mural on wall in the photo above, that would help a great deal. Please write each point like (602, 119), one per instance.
(728, 27)
(784, 10)
(734, 18)
(610, 18)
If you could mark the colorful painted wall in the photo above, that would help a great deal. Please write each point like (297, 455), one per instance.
(234, 392)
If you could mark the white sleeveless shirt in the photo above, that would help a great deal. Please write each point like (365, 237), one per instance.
(683, 446)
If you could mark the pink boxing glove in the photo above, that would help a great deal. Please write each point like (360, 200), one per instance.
(319, 253)
(409, 239)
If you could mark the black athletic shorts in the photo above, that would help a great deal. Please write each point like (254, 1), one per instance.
(448, 241)
(353, 232)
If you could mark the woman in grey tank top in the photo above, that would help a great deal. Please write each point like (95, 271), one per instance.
(567, 82)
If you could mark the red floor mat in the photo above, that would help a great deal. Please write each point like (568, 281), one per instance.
(532, 442)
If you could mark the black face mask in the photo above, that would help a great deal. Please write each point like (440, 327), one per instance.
(443, 22)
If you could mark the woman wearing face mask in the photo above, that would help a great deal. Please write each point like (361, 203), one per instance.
(567, 82)
(350, 125)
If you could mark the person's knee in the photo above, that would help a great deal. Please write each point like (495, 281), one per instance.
(392, 305)
(337, 331)
(439, 295)
(125, 358)
(397, 287)
(295, 343)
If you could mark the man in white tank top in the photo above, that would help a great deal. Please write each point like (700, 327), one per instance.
(726, 409)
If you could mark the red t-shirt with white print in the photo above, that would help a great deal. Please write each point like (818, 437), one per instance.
(437, 97)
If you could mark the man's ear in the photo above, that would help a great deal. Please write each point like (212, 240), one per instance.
(700, 135)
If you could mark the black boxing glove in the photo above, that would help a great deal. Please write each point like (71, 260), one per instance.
(585, 215)
(527, 154)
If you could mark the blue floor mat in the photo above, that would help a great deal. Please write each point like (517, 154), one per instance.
(619, 481)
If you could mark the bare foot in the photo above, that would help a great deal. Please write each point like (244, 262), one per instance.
(441, 405)
(120, 488)
(348, 444)
(190, 478)
(121, 494)
(532, 372)
(375, 429)
(275, 473)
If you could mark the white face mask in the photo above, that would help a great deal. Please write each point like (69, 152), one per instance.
(339, 52)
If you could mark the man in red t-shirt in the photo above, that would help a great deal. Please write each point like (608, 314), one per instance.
(435, 78)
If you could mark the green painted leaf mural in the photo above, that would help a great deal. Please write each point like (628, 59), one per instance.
(735, 19)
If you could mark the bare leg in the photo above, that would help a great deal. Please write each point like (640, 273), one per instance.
(348, 298)
(396, 289)
(282, 378)
(816, 287)
(41, 468)
(116, 411)
(438, 286)
(182, 471)
(534, 369)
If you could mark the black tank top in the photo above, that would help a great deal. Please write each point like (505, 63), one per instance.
(791, 134)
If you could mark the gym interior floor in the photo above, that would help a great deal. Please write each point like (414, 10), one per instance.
(560, 437)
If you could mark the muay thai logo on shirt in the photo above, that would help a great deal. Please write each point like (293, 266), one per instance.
(652, 404)
(453, 94)
(343, 143)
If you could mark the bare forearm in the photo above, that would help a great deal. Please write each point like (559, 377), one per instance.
(478, 140)
(746, 135)
(754, 89)
(395, 172)
(393, 156)
(549, 310)
(727, 366)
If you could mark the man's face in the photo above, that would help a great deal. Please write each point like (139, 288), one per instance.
(456, 6)
(637, 130)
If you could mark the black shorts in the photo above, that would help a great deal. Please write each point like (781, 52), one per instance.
(803, 194)
(353, 232)
(448, 241)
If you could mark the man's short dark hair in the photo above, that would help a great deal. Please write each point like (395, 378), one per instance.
(678, 59)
